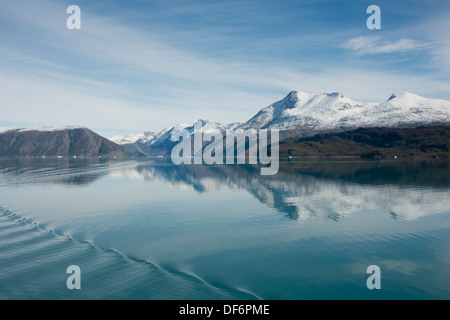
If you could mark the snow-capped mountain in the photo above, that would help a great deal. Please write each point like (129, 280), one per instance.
(5, 129)
(166, 134)
(302, 114)
(406, 109)
(42, 129)
(333, 111)
(233, 125)
(160, 144)
(133, 138)
(57, 141)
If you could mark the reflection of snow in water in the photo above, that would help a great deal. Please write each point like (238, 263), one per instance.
(301, 196)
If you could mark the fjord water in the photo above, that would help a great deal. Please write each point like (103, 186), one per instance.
(148, 229)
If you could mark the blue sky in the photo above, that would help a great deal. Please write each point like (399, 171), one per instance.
(140, 65)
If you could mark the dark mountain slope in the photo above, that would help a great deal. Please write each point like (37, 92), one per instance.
(71, 142)
(372, 143)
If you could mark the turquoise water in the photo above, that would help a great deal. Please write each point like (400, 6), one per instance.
(148, 229)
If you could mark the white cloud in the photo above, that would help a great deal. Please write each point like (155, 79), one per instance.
(367, 45)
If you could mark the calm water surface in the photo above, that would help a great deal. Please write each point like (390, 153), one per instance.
(147, 229)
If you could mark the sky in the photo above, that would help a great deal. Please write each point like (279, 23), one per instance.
(143, 65)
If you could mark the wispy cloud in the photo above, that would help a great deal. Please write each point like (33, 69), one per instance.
(370, 45)
(113, 74)
(437, 30)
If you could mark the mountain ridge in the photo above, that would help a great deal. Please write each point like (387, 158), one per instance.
(372, 143)
(302, 114)
(334, 111)
(59, 141)
(298, 115)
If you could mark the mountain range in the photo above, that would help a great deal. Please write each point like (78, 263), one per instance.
(334, 112)
(303, 115)
(314, 122)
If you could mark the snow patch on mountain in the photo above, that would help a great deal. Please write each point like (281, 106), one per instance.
(209, 126)
(133, 138)
(232, 126)
(166, 134)
(52, 128)
(5, 129)
(42, 129)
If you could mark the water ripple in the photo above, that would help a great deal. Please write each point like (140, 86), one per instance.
(27, 250)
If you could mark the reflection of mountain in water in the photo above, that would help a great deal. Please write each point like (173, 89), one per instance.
(69, 172)
(300, 190)
(329, 190)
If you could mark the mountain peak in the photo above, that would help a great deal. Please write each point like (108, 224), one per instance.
(335, 95)
(312, 113)
(57, 141)
(297, 95)
(203, 121)
(133, 138)
(301, 114)
(291, 98)
(43, 129)
(52, 128)
(5, 129)
(404, 95)
(302, 97)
